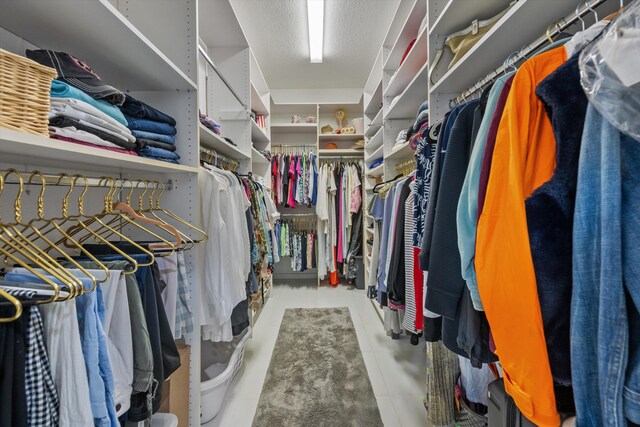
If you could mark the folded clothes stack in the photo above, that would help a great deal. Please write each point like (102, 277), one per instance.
(154, 131)
(82, 106)
(210, 124)
(85, 110)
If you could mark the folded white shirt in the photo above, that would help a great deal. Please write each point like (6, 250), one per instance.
(80, 110)
(80, 135)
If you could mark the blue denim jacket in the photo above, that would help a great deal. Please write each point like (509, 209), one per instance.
(605, 305)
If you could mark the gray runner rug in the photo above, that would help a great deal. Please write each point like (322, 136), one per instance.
(317, 376)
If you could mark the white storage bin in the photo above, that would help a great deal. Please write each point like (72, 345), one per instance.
(164, 420)
(220, 364)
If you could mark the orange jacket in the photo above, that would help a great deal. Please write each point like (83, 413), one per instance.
(523, 159)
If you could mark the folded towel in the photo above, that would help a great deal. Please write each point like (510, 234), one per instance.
(63, 90)
(145, 125)
(140, 110)
(158, 153)
(140, 134)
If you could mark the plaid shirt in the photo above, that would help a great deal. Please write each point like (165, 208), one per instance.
(42, 397)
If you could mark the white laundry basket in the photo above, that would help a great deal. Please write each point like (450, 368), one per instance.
(220, 363)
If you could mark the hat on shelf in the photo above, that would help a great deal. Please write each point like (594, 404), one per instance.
(326, 129)
(359, 145)
(331, 146)
(77, 73)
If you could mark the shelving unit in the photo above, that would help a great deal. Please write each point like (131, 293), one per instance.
(257, 157)
(399, 153)
(311, 128)
(375, 142)
(98, 32)
(514, 30)
(208, 139)
(338, 137)
(19, 148)
(375, 155)
(257, 133)
(378, 171)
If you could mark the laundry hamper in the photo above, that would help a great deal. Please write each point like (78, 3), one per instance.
(220, 364)
(25, 89)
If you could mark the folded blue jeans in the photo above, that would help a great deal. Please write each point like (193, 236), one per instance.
(158, 153)
(169, 139)
(149, 126)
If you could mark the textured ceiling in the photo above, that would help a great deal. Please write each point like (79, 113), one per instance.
(353, 33)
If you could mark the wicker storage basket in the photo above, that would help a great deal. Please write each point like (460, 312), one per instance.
(25, 89)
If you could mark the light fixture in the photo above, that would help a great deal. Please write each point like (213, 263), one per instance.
(315, 14)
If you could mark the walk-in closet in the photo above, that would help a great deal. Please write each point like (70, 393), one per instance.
(308, 213)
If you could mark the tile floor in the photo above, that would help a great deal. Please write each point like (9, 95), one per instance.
(396, 368)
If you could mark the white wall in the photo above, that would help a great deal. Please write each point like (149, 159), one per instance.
(316, 96)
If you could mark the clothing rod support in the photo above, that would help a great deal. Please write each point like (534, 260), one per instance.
(559, 26)
(233, 92)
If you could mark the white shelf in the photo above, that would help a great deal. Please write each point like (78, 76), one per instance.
(369, 230)
(409, 32)
(401, 153)
(30, 150)
(375, 142)
(377, 120)
(375, 102)
(456, 15)
(377, 171)
(366, 215)
(372, 129)
(412, 64)
(375, 155)
(294, 127)
(340, 137)
(256, 102)
(257, 157)
(208, 139)
(340, 152)
(506, 36)
(95, 32)
(406, 105)
(258, 134)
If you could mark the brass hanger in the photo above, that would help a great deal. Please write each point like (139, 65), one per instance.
(172, 215)
(16, 303)
(123, 211)
(40, 217)
(152, 200)
(30, 259)
(80, 225)
(37, 232)
(108, 205)
(43, 259)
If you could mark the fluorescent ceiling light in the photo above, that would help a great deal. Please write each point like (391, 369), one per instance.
(315, 13)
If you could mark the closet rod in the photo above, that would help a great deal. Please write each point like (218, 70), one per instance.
(206, 57)
(297, 214)
(55, 181)
(531, 47)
